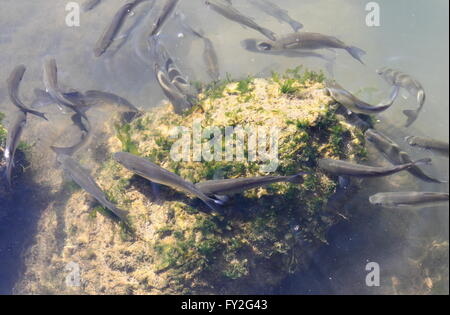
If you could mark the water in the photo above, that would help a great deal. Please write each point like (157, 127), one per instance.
(412, 37)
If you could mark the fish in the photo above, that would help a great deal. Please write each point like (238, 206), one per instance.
(409, 199)
(149, 33)
(228, 11)
(237, 185)
(52, 88)
(429, 144)
(211, 59)
(156, 174)
(250, 44)
(354, 104)
(12, 142)
(209, 52)
(410, 84)
(43, 98)
(280, 14)
(89, 97)
(166, 12)
(395, 155)
(175, 87)
(13, 83)
(88, 5)
(357, 120)
(73, 100)
(309, 41)
(83, 179)
(100, 96)
(179, 101)
(177, 79)
(345, 168)
(162, 57)
(111, 31)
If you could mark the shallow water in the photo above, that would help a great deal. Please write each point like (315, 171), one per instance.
(412, 37)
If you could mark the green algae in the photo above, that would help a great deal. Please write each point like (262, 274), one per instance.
(123, 134)
(3, 132)
(265, 231)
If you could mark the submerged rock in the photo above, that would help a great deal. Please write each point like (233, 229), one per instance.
(263, 235)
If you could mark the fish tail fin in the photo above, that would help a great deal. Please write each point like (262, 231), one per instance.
(426, 161)
(268, 33)
(356, 53)
(297, 178)
(213, 204)
(121, 214)
(296, 26)
(36, 113)
(412, 116)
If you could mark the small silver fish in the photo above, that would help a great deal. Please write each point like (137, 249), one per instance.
(353, 119)
(354, 104)
(110, 98)
(179, 101)
(12, 142)
(395, 155)
(409, 199)
(238, 185)
(156, 174)
(280, 14)
(177, 79)
(209, 52)
(13, 83)
(43, 98)
(344, 168)
(166, 11)
(228, 11)
(83, 179)
(252, 45)
(309, 41)
(407, 82)
(175, 87)
(111, 31)
(52, 88)
(438, 146)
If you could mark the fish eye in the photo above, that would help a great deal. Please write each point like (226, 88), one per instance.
(264, 46)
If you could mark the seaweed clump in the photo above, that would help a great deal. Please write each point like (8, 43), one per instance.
(263, 235)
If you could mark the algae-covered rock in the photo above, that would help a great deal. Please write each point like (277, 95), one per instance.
(178, 246)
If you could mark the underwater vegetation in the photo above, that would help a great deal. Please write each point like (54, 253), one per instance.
(3, 132)
(263, 234)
